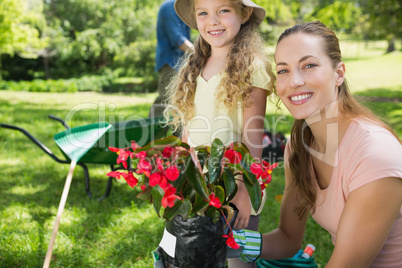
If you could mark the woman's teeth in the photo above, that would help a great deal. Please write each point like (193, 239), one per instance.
(301, 97)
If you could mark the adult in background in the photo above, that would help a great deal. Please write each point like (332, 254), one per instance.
(173, 37)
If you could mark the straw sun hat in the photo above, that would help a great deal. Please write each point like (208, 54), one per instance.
(185, 10)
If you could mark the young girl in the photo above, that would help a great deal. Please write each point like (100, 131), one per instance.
(221, 90)
(342, 164)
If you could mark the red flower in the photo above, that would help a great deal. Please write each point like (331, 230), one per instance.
(154, 179)
(123, 155)
(214, 201)
(143, 187)
(233, 156)
(170, 197)
(130, 179)
(142, 154)
(144, 166)
(264, 185)
(157, 178)
(134, 145)
(263, 170)
(114, 149)
(230, 241)
(167, 151)
(159, 163)
(172, 173)
(114, 174)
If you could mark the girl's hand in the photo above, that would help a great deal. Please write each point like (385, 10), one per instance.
(242, 202)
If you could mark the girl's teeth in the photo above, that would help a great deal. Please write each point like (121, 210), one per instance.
(301, 97)
(217, 32)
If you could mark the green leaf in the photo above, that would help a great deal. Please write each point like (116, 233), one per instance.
(181, 207)
(185, 145)
(202, 157)
(215, 160)
(179, 182)
(254, 190)
(157, 195)
(145, 194)
(168, 141)
(213, 213)
(200, 203)
(230, 182)
(245, 167)
(196, 179)
(240, 147)
(220, 193)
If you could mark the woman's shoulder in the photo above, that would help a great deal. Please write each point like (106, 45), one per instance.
(369, 152)
(367, 141)
(366, 130)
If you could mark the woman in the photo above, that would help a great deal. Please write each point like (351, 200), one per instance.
(342, 164)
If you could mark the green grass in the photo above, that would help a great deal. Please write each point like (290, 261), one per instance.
(121, 230)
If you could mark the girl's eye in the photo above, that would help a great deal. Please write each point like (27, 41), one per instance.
(225, 10)
(281, 72)
(202, 13)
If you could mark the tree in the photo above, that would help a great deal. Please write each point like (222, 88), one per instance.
(91, 35)
(338, 15)
(385, 20)
(17, 35)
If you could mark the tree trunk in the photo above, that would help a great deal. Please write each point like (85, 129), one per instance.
(391, 45)
(1, 77)
(46, 67)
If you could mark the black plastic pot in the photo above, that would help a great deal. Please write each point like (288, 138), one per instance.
(199, 243)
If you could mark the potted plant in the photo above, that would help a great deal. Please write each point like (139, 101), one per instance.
(192, 189)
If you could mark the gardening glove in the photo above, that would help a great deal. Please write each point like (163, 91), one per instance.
(158, 260)
(251, 241)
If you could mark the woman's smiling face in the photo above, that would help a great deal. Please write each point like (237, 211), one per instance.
(306, 82)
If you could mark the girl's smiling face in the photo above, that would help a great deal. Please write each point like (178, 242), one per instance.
(306, 82)
(219, 21)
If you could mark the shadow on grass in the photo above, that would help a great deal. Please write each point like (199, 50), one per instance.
(386, 104)
(378, 93)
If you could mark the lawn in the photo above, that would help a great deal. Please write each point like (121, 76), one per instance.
(121, 230)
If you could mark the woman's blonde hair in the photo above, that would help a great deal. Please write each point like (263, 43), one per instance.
(300, 158)
(236, 83)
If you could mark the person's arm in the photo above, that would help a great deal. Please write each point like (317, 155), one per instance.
(174, 30)
(366, 221)
(186, 45)
(253, 125)
(184, 137)
(286, 240)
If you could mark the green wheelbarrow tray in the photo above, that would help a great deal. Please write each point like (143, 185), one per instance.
(120, 135)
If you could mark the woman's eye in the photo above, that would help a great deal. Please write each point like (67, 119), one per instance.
(310, 65)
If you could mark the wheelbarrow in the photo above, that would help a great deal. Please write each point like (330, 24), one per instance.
(120, 135)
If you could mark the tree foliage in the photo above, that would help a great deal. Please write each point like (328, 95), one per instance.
(86, 36)
(72, 38)
(338, 15)
(384, 20)
(18, 29)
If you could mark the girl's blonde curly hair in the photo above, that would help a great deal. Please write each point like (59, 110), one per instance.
(235, 85)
